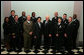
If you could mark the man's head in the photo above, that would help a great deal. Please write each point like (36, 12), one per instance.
(56, 14)
(59, 20)
(70, 19)
(23, 13)
(16, 17)
(47, 18)
(28, 18)
(13, 12)
(74, 16)
(38, 19)
(33, 14)
(64, 16)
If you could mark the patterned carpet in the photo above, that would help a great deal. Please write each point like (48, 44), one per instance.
(78, 50)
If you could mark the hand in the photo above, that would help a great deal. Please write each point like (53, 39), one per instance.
(65, 35)
(30, 33)
(13, 36)
(50, 35)
(35, 37)
(57, 35)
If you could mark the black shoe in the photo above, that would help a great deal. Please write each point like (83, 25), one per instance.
(14, 49)
(62, 51)
(27, 51)
(54, 51)
(70, 52)
(9, 50)
(45, 51)
(19, 50)
(36, 51)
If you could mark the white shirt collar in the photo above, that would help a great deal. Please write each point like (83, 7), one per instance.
(59, 23)
(28, 21)
(74, 19)
(13, 16)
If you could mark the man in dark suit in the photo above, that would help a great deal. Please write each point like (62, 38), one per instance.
(21, 21)
(55, 19)
(47, 32)
(38, 34)
(11, 18)
(15, 34)
(58, 34)
(75, 32)
(33, 18)
(68, 35)
(11, 21)
(65, 22)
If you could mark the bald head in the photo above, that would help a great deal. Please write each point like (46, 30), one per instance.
(56, 14)
(28, 18)
(47, 18)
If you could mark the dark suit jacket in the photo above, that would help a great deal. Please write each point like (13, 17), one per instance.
(47, 28)
(21, 21)
(69, 30)
(37, 30)
(16, 28)
(65, 22)
(6, 27)
(33, 19)
(54, 20)
(59, 29)
(11, 19)
(76, 24)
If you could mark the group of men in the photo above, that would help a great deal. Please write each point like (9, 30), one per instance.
(27, 32)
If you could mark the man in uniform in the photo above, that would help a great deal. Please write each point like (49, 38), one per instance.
(75, 32)
(58, 34)
(11, 18)
(47, 32)
(65, 22)
(28, 30)
(34, 20)
(15, 34)
(21, 21)
(55, 19)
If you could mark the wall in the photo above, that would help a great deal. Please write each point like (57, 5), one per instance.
(43, 8)
(5, 12)
(78, 9)
(2, 18)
